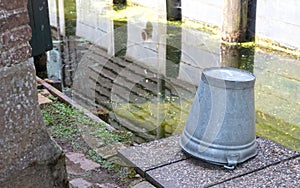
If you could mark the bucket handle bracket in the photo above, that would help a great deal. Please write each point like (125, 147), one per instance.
(232, 160)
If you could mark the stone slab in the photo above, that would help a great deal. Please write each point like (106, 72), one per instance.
(71, 102)
(80, 183)
(143, 184)
(43, 100)
(79, 158)
(285, 174)
(154, 154)
(28, 155)
(196, 173)
(110, 150)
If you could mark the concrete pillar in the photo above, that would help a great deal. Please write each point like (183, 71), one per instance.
(234, 25)
(28, 156)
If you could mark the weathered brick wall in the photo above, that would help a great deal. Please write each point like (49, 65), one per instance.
(28, 157)
(15, 32)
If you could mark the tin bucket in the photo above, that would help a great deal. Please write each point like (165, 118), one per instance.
(221, 125)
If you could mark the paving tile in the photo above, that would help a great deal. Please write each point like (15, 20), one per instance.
(74, 169)
(153, 154)
(284, 174)
(43, 100)
(143, 184)
(196, 173)
(79, 158)
(109, 151)
(80, 183)
(105, 185)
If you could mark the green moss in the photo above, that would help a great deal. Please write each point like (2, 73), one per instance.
(122, 172)
(64, 122)
(278, 131)
(119, 7)
(70, 17)
(212, 29)
(271, 46)
(170, 116)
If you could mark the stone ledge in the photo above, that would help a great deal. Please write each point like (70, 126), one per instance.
(285, 174)
(164, 164)
(154, 154)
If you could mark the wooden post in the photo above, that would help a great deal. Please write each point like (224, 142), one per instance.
(234, 20)
(174, 10)
(119, 2)
(230, 56)
(237, 56)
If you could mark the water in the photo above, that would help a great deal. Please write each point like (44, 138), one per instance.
(145, 72)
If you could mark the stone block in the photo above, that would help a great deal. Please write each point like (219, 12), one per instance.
(198, 173)
(80, 183)
(9, 39)
(109, 151)
(285, 174)
(13, 20)
(29, 157)
(43, 100)
(79, 158)
(13, 4)
(154, 154)
(143, 184)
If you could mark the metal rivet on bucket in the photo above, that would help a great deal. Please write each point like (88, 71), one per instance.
(221, 124)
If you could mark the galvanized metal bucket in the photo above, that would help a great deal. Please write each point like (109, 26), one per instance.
(221, 125)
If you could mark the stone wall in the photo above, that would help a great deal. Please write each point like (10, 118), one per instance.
(29, 157)
(272, 21)
(205, 11)
(278, 21)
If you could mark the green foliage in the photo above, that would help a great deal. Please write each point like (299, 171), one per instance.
(109, 136)
(77, 146)
(63, 123)
(93, 155)
(65, 132)
(170, 115)
(120, 171)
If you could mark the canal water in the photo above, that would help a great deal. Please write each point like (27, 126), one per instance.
(140, 73)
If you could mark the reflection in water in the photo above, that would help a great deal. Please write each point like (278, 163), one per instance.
(119, 1)
(147, 32)
(70, 17)
(173, 51)
(174, 9)
(120, 38)
(237, 56)
(145, 73)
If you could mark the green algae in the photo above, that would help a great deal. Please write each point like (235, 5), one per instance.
(278, 130)
(170, 116)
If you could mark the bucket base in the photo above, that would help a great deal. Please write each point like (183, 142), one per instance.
(227, 156)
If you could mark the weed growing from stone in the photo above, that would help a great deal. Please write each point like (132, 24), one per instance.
(64, 124)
